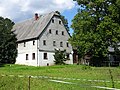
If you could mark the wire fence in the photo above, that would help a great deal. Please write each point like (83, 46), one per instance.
(24, 82)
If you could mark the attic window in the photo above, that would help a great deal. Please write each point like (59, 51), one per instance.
(50, 31)
(44, 42)
(59, 22)
(61, 44)
(54, 43)
(62, 32)
(67, 44)
(52, 20)
(56, 32)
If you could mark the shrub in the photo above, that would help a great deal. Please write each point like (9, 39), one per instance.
(59, 57)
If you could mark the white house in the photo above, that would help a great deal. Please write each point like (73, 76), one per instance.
(38, 37)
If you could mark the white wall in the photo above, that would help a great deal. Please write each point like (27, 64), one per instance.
(44, 62)
(28, 49)
(50, 60)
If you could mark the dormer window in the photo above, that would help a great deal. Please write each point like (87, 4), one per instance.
(52, 20)
(56, 32)
(59, 22)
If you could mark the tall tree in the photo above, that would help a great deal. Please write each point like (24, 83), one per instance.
(96, 27)
(8, 46)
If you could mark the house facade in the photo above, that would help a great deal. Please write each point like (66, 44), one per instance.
(39, 37)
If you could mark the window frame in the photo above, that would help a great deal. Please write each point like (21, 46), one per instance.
(61, 44)
(45, 56)
(44, 42)
(56, 32)
(50, 31)
(27, 57)
(63, 33)
(33, 56)
(60, 22)
(33, 42)
(67, 44)
(54, 43)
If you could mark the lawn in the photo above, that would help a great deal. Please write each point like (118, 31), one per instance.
(64, 77)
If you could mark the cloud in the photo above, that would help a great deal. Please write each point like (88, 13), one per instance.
(22, 9)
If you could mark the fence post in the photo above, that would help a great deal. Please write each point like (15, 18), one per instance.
(111, 76)
(29, 82)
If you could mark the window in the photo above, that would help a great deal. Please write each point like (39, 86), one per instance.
(67, 44)
(45, 56)
(24, 44)
(62, 32)
(50, 31)
(26, 56)
(54, 43)
(33, 42)
(67, 56)
(59, 22)
(44, 42)
(33, 56)
(52, 20)
(56, 32)
(61, 44)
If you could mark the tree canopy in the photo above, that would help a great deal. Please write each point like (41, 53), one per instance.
(96, 27)
(8, 46)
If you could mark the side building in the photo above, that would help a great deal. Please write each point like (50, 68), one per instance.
(38, 37)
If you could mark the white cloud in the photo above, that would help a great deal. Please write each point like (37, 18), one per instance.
(22, 9)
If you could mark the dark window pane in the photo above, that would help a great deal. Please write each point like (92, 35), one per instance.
(54, 43)
(50, 31)
(44, 42)
(62, 32)
(33, 42)
(45, 56)
(26, 56)
(61, 44)
(33, 56)
(56, 32)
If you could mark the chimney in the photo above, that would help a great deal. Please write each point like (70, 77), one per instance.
(36, 16)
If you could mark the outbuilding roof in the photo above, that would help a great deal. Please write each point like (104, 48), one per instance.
(31, 29)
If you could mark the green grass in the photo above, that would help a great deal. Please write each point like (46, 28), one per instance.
(64, 71)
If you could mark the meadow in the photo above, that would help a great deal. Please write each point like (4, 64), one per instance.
(59, 77)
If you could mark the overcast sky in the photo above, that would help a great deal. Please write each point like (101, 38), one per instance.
(18, 10)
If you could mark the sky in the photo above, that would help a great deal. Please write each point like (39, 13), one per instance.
(19, 10)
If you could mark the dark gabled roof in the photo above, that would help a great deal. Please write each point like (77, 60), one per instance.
(32, 28)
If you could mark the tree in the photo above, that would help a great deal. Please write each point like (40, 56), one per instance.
(64, 20)
(59, 57)
(96, 27)
(8, 46)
